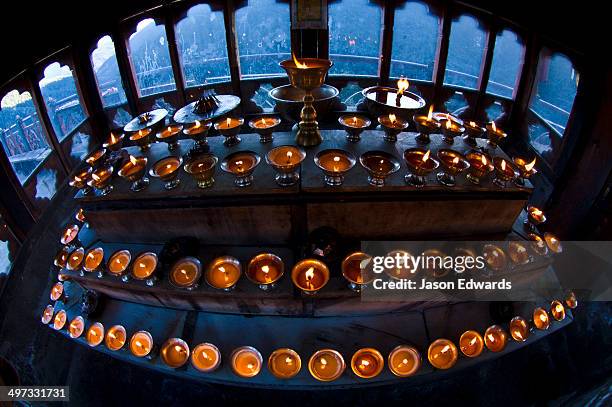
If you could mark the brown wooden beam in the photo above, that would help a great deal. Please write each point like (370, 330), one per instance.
(525, 85)
(175, 59)
(442, 55)
(88, 90)
(386, 43)
(128, 79)
(232, 45)
(485, 68)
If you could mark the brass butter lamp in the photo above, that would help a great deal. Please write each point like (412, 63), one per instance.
(307, 74)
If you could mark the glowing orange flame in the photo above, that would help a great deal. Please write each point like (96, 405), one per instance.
(309, 273)
(430, 114)
(529, 167)
(392, 118)
(426, 156)
(297, 63)
(402, 85)
(95, 177)
(133, 160)
(455, 160)
(113, 139)
(493, 126)
(228, 121)
(503, 165)
(483, 159)
(448, 122)
(197, 124)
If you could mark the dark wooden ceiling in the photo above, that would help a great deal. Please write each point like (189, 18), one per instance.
(33, 30)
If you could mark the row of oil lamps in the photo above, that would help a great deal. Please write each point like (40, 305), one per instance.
(265, 269)
(286, 160)
(324, 365)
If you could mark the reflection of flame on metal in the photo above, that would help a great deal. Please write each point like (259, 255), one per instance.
(298, 64)
(402, 85)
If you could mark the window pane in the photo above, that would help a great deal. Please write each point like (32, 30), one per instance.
(202, 47)
(354, 37)
(59, 92)
(106, 69)
(22, 135)
(555, 90)
(465, 52)
(263, 34)
(507, 60)
(415, 40)
(150, 58)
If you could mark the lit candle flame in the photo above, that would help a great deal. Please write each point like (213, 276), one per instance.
(430, 114)
(137, 343)
(263, 121)
(228, 121)
(559, 308)
(169, 129)
(140, 132)
(493, 126)
(543, 317)
(265, 269)
(491, 337)
(503, 165)
(448, 122)
(392, 118)
(426, 156)
(337, 159)
(197, 124)
(95, 177)
(455, 161)
(518, 334)
(133, 160)
(483, 159)
(473, 341)
(529, 167)
(445, 349)
(354, 120)
(402, 85)
(473, 124)
(178, 348)
(113, 139)
(323, 362)
(309, 273)
(77, 178)
(297, 63)
(288, 360)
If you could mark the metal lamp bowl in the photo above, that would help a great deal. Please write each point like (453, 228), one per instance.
(378, 108)
(289, 100)
(309, 78)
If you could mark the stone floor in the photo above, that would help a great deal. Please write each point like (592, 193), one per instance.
(570, 367)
